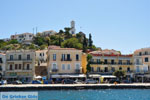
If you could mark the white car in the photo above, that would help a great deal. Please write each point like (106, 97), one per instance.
(91, 81)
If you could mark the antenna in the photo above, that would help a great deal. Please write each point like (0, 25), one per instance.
(33, 30)
(36, 30)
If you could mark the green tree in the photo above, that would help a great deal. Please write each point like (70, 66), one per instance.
(90, 41)
(67, 33)
(42, 47)
(38, 40)
(61, 32)
(119, 74)
(72, 43)
(13, 41)
(32, 46)
(88, 67)
(84, 44)
(60, 40)
(47, 39)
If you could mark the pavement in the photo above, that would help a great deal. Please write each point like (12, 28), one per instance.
(73, 85)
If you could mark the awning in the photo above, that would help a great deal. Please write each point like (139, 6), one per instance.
(38, 77)
(95, 75)
(108, 76)
(69, 76)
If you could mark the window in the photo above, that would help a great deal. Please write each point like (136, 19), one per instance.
(98, 60)
(140, 53)
(16, 66)
(77, 66)
(113, 69)
(28, 66)
(77, 57)
(146, 59)
(63, 66)
(54, 57)
(106, 69)
(19, 57)
(28, 57)
(40, 54)
(105, 61)
(68, 57)
(98, 69)
(128, 69)
(137, 61)
(10, 67)
(0, 68)
(11, 57)
(92, 60)
(54, 66)
(137, 69)
(92, 69)
(120, 61)
(63, 57)
(1, 60)
(146, 53)
(112, 61)
(68, 67)
(19, 66)
(120, 68)
(128, 62)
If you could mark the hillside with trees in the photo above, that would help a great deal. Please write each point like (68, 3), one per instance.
(63, 38)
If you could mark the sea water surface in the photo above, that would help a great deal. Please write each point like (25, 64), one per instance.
(108, 94)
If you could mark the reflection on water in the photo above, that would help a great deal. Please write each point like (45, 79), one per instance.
(110, 94)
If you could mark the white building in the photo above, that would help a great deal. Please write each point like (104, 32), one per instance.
(139, 66)
(25, 38)
(73, 30)
(41, 63)
(48, 33)
(2, 64)
(41, 58)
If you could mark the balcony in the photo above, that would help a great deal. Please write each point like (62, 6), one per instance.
(108, 63)
(22, 60)
(102, 72)
(138, 63)
(96, 62)
(54, 70)
(77, 70)
(66, 59)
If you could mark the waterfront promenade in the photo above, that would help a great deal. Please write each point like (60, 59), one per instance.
(35, 87)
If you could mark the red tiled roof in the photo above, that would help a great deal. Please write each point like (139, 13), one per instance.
(59, 48)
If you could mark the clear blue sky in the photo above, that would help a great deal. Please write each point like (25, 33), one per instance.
(115, 24)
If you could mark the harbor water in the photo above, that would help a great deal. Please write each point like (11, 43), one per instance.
(106, 94)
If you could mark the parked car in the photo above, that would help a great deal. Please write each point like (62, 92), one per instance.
(45, 81)
(68, 81)
(78, 81)
(17, 82)
(58, 81)
(36, 82)
(114, 80)
(3, 82)
(91, 81)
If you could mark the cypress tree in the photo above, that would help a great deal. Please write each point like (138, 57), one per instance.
(84, 44)
(90, 41)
